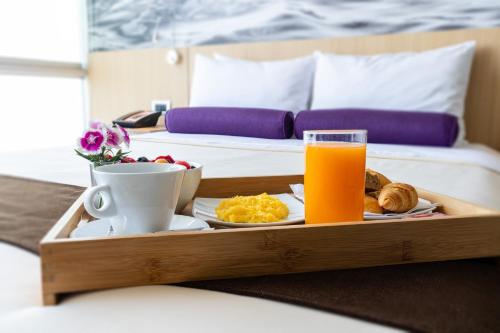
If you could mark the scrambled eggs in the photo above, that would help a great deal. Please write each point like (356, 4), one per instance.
(252, 209)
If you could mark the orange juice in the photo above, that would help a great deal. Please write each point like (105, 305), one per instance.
(334, 182)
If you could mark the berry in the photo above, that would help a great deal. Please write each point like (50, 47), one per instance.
(168, 158)
(160, 160)
(184, 163)
(127, 159)
(142, 159)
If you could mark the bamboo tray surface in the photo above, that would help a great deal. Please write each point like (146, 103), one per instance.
(71, 265)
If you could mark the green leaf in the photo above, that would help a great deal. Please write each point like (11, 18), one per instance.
(87, 157)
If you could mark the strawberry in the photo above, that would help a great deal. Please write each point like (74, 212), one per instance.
(184, 163)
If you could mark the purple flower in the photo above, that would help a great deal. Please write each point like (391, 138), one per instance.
(124, 134)
(113, 137)
(92, 141)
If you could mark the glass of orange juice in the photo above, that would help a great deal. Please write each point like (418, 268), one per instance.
(334, 180)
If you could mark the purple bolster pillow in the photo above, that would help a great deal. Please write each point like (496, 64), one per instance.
(396, 127)
(253, 122)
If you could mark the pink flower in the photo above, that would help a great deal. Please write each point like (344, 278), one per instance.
(96, 124)
(92, 141)
(113, 137)
(124, 134)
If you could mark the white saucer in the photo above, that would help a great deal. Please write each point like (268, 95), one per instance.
(102, 227)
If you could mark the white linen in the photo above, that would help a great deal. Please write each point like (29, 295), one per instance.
(465, 175)
(282, 85)
(433, 81)
(150, 309)
(467, 153)
(470, 172)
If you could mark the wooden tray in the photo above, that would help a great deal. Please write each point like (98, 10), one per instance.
(71, 265)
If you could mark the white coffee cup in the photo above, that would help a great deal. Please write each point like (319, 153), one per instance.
(136, 197)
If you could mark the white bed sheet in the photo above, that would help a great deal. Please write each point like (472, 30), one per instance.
(470, 173)
(466, 153)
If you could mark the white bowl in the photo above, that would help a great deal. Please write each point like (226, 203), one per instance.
(190, 184)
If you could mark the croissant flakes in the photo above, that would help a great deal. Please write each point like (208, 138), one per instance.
(398, 197)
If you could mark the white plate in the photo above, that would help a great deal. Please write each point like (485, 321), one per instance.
(102, 227)
(423, 207)
(204, 208)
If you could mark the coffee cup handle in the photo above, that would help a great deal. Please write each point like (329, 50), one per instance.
(108, 208)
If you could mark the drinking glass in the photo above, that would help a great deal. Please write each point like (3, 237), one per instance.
(334, 180)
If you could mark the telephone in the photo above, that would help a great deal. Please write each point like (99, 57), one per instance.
(138, 119)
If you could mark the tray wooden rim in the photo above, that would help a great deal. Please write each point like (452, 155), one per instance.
(55, 234)
(471, 231)
(79, 203)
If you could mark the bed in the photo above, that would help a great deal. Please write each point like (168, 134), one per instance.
(20, 308)
(470, 171)
(451, 173)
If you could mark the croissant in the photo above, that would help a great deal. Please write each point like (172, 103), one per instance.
(398, 198)
(374, 180)
(372, 206)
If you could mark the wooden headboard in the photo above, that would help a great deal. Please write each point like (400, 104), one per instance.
(122, 81)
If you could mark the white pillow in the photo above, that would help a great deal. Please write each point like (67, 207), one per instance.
(434, 81)
(284, 84)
